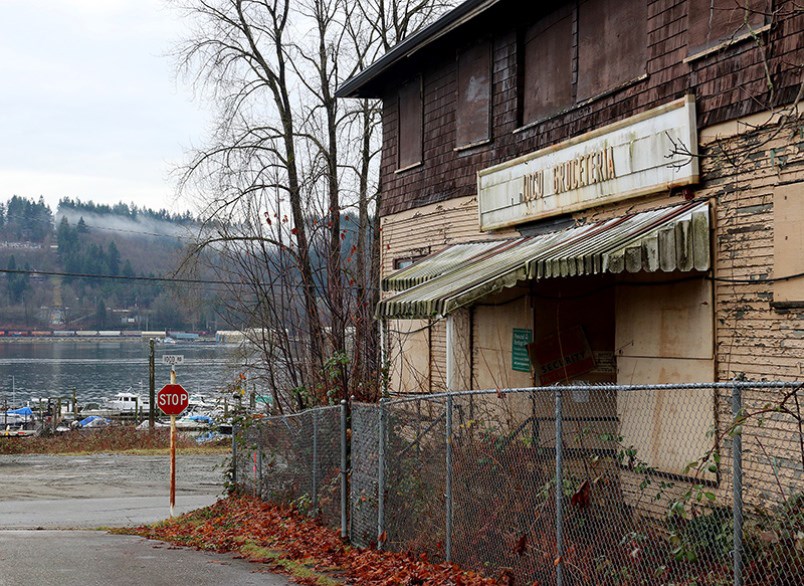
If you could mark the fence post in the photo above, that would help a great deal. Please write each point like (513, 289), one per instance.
(259, 469)
(234, 456)
(343, 469)
(448, 501)
(559, 493)
(381, 478)
(737, 467)
(315, 463)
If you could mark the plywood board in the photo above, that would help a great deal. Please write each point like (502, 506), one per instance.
(671, 320)
(493, 325)
(668, 429)
(788, 241)
(409, 356)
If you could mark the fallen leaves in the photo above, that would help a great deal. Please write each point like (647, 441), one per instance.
(521, 545)
(244, 524)
(582, 497)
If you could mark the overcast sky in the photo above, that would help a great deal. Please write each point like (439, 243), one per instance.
(89, 105)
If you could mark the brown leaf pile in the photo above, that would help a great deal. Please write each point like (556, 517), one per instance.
(235, 521)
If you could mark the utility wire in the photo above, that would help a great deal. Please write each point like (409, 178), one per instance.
(120, 277)
(33, 272)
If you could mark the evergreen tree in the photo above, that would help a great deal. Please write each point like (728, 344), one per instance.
(113, 259)
(17, 283)
(128, 270)
(66, 238)
(100, 314)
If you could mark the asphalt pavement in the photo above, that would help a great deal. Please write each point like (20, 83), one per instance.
(94, 558)
(47, 503)
(92, 513)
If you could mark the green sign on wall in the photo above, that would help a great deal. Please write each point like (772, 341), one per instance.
(519, 349)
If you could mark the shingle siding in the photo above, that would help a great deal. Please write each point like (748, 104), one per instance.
(728, 84)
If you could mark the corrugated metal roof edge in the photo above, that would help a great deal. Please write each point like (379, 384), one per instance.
(470, 9)
(445, 304)
(402, 279)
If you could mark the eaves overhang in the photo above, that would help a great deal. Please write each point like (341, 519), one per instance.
(363, 85)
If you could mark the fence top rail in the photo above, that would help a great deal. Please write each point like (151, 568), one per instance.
(305, 413)
(600, 388)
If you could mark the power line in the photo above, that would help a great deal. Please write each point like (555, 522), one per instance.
(32, 272)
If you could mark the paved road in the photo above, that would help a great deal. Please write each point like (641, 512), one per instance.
(103, 490)
(91, 513)
(93, 558)
(45, 477)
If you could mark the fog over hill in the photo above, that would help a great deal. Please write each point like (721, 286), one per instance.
(116, 226)
(82, 267)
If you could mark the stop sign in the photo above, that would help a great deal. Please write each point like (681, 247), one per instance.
(172, 399)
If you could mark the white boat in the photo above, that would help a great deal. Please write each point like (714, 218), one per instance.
(128, 401)
(199, 405)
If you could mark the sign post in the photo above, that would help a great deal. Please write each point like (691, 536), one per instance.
(172, 399)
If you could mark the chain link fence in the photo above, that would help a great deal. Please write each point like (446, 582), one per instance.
(363, 485)
(294, 459)
(662, 484)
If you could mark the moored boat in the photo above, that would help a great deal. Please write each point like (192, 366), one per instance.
(128, 402)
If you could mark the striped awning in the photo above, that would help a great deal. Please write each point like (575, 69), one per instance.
(667, 239)
(443, 261)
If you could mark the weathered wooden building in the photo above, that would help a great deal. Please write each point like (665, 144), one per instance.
(596, 190)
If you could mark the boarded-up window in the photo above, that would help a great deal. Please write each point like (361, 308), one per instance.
(473, 107)
(410, 124)
(612, 44)
(409, 355)
(714, 21)
(788, 243)
(547, 66)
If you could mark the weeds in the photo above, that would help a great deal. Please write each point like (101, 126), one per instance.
(124, 438)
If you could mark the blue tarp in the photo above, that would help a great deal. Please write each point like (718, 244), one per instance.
(200, 419)
(22, 411)
(86, 422)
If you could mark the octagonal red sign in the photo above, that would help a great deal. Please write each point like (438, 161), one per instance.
(172, 399)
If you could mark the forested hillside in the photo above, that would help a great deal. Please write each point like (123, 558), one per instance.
(82, 267)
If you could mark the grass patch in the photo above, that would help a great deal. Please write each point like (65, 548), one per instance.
(297, 568)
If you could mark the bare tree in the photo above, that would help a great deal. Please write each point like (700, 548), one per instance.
(285, 171)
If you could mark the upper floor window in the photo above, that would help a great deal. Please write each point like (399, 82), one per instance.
(546, 72)
(411, 120)
(612, 44)
(473, 107)
(712, 22)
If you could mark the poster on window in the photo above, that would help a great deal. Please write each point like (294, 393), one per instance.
(561, 357)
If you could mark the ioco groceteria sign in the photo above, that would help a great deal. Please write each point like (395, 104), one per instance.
(648, 153)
